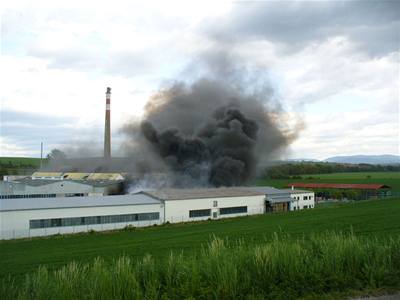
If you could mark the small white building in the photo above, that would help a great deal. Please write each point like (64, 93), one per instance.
(183, 205)
(302, 199)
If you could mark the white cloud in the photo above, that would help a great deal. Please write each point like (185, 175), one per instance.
(58, 58)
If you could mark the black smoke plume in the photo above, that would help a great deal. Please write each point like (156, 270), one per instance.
(208, 133)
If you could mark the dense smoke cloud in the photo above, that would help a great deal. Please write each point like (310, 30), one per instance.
(217, 130)
(211, 132)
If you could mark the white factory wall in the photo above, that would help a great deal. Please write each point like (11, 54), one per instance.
(178, 210)
(15, 224)
(304, 200)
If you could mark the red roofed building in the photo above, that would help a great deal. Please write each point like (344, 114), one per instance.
(352, 186)
(345, 190)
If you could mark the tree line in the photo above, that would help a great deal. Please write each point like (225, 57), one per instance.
(292, 170)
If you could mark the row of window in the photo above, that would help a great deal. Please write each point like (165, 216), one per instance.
(199, 213)
(233, 210)
(304, 207)
(77, 221)
(304, 197)
(222, 211)
(28, 196)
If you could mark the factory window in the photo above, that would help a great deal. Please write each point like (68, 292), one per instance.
(92, 220)
(199, 213)
(28, 196)
(233, 210)
(215, 203)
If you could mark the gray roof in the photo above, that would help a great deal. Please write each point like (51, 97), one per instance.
(34, 182)
(98, 183)
(199, 193)
(296, 191)
(268, 190)
(73, 202)
(41, 182)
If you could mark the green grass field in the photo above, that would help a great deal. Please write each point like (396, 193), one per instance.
(378, 218)
(20, 161)
(391, 179)
(18, 165)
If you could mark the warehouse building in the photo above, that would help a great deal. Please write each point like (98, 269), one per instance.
(37, 188)
(183, 205)
(25, 217)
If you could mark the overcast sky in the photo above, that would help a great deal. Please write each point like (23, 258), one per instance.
(333, 64)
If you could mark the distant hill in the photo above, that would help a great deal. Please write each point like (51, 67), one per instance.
(385, 159)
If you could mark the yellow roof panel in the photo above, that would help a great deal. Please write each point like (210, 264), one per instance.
(76, 176)
(105, 176)
(47, 174)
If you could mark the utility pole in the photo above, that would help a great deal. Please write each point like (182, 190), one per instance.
(41, 155)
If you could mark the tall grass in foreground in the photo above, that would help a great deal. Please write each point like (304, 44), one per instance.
(279, 268)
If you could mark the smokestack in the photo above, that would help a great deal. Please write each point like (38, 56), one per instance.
(107, 127)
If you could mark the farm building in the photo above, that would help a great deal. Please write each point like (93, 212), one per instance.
(25, 217)
(365, 190)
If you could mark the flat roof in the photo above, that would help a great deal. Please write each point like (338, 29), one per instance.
(41, 182)
(199, 193)
(269, 190)
(75, 202)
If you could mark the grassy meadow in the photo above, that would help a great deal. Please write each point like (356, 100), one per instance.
(369, 225)
(391, 179)
(278, 268)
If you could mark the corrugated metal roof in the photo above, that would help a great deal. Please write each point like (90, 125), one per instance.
(41, 182)
(73, 202)
(268, 190)
(185, 194)
(358, 186)
(36, 182)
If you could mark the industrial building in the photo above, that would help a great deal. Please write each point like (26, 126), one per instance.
(26, 217)
(59, 184)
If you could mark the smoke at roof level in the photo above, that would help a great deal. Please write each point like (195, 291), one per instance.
(208, 133)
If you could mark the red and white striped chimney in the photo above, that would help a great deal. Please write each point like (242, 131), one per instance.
(107, 127)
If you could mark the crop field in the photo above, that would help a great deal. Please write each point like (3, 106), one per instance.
(391, 179)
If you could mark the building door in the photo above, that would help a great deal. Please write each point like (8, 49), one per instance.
(215, 215)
